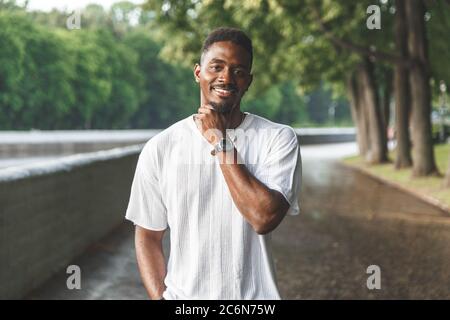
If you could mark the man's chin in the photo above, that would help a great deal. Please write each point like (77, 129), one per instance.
(225, 110)
(221, 107)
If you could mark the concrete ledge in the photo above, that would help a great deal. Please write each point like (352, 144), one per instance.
(66, 163)
(51, 212)
(14, 144)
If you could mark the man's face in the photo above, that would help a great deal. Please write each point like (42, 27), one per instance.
(224, 75)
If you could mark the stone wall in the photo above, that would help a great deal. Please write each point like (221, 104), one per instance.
(52, 212)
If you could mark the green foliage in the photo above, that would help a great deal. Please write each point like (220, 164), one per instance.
(438, 27)
(36, 80)
(95, 77)
(170, 89)
(281, 103)
(11, 60)
(114, 74)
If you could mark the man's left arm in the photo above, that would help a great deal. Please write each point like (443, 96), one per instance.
(263, 202)
(261, 206)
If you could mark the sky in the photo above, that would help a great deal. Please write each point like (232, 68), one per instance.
(48, 5)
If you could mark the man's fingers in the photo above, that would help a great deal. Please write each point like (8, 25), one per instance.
(208, 106)
(203, 110)
(200, 116)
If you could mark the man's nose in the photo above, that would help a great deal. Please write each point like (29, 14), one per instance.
(226, 76)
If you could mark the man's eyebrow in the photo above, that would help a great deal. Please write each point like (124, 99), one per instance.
(217, 60)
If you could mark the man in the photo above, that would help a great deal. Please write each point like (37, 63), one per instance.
(221, 180)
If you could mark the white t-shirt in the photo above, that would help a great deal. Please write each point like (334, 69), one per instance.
(215, 253)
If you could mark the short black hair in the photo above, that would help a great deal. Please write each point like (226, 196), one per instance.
(229, 34)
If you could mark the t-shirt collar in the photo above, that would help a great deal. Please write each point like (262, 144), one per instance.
(243, 125)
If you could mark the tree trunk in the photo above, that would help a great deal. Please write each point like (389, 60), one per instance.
(358, 114)
(423, 153)
(378, 141)
(401, 91)
(386, 99)
(447, 177)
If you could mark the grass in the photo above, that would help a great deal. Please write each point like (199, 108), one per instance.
(327, 124)
(429, 186)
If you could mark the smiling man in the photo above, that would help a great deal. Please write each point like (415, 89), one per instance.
(221, 180)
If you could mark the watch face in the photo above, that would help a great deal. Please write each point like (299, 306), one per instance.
(227, 145)
(224, 145)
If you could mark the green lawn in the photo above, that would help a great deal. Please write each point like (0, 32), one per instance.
(432, 186)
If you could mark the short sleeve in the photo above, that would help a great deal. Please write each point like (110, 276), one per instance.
(282, 168)
(146, 206)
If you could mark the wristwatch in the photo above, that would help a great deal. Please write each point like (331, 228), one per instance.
(224, 145)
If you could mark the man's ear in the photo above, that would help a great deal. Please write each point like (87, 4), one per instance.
(197, 72)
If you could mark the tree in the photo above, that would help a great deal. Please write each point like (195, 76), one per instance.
(96, 77)
(419, 77)
(170, 90)
(127, 84)
(359, 118)
(12, 56)
(40, 87)
(402, 90)
(377, 152)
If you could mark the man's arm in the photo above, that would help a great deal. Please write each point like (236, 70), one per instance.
(262, 207)
(150, 259)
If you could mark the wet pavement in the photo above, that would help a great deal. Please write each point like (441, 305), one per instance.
(348, 222)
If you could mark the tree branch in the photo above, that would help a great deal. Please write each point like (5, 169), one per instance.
(362, 50)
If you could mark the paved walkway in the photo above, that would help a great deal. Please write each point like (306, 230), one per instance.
(348, 222)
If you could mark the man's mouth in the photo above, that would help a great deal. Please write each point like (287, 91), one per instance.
(224, 92)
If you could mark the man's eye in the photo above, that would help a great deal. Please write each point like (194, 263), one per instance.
(215, 68)
(239, 72)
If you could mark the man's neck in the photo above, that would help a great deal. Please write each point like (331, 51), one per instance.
(235, 118)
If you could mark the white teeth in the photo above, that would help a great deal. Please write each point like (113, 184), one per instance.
(222, 91)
